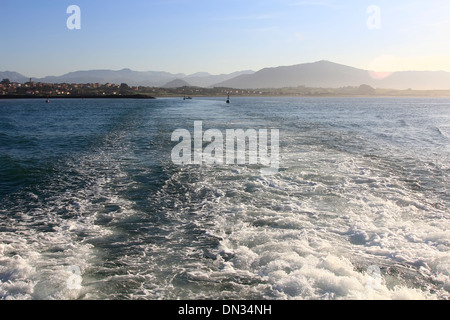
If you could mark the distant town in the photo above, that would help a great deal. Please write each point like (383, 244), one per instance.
(32, 89)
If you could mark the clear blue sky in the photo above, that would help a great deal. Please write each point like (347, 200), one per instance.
(221, 36)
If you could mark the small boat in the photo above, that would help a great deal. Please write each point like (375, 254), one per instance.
(187, 98)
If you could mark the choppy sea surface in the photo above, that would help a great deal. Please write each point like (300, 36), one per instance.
(92, 207)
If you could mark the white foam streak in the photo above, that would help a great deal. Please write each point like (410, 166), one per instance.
(313, 236)
(35, 263)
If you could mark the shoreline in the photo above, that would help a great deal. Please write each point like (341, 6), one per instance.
(17, 97)
(309, 96)
(145, 97)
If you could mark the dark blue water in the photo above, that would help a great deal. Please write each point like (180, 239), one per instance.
(92, 207)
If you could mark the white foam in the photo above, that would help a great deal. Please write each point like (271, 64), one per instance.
(310, 235)
(318, 229)
(36, 264)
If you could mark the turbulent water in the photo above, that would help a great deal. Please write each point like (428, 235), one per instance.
(92, 207)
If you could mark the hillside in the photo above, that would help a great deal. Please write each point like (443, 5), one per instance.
(325, 74)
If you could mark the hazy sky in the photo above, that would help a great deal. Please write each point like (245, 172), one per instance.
(222, 36)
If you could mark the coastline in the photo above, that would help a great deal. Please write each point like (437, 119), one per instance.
(265, 94)
(134, 96)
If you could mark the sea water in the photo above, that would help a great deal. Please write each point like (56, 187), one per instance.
(92, 207)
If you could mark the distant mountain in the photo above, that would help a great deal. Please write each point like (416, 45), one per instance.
(327, 74)
(132, 78)
(417, 80)
(319, 74)
(203, 79)
(13, 77)
(139, 78)
(177, 83)
(322, 74)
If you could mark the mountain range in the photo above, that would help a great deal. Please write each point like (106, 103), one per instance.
(322, 74)
(130, 77)
(327, 74)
